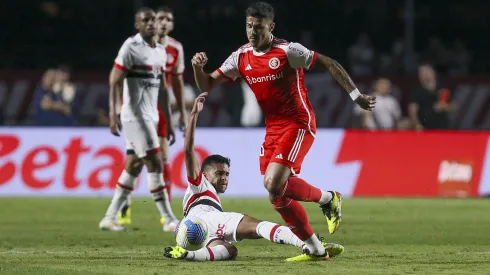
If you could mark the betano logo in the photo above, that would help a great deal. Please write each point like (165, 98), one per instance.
(270, 77)
(455, 171)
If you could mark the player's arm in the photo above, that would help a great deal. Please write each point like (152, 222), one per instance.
(207, 82)
(116, 79)
(177, 82)
(342, 77)
(164, 102)
(191, 162)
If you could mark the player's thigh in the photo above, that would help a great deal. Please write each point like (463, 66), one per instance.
(232, 250)
(141, 135)
(222, 225)
(292, 148)
(247, 228)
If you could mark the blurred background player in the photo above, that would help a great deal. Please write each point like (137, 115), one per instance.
(175, 82)
(273, 69)
(139, 68)
(201, 200)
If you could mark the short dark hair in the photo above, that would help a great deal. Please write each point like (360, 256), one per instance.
(165, 9)
(144, 9)
(214, 159)
(260, 10)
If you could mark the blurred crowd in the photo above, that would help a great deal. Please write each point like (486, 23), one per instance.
(369, 38)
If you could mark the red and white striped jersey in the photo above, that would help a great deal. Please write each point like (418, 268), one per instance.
(175, 58)
(144, 67)
(201, 195)
(276, 78)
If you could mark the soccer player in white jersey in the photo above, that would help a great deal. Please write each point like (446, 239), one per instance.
(201, 200)
(139, 73)
(175, 81)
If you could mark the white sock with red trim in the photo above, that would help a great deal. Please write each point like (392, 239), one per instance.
(160, 195)
(124, 187)
(278, 234)
(214, 253)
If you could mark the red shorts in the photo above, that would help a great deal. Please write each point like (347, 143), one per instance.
(162, 124)
(288, 147)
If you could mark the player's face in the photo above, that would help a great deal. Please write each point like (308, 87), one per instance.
(145, 23)
(258, 31)
(165, 23)
(218, 176)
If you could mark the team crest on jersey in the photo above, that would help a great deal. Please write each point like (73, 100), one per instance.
(274, 63)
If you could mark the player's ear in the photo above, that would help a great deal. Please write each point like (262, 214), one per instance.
(273, 25)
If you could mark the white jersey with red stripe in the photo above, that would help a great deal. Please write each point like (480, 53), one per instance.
(144, 67)
(201, 196)
(276, 77)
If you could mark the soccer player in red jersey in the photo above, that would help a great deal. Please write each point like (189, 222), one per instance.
(274, 70)
(175, 80)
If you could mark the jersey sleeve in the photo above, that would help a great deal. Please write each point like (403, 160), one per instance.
(196, 184)
(229, 69)
(124, 59)
(179, 66)
(300, 57)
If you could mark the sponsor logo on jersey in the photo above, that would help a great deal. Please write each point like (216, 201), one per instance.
(274, 63)
(300, 52)
(269, 77)
(148, 84)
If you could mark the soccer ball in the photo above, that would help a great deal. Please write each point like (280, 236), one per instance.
(191, 233)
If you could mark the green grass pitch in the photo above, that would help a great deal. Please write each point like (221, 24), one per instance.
(381, 236)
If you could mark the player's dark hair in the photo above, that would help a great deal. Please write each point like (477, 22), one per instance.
(143, 9)
(260, 10)
(165, 9)
(214, 159)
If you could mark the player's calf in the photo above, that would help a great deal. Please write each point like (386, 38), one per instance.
(156, 185)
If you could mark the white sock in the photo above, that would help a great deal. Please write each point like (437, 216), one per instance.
(278, 234)
(326, 197)
(120, 196)
(315, 246)
(214, 253)
(160, 195)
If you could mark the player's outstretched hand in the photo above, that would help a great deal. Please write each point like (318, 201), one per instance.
(199, 103)
(115, 124)
(366, 102)
(199, 59)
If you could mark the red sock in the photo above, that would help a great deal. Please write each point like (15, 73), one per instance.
(299, 190)
(293, 213)
(167, 179)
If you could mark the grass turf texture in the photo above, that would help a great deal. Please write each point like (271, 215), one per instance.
(381, 236)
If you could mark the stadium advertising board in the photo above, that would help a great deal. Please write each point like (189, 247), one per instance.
(88, 161)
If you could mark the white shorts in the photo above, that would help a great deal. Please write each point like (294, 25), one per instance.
(221, 225)
(141, 136)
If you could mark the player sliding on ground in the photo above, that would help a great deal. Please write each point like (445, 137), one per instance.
(201, 200)
(274, 70)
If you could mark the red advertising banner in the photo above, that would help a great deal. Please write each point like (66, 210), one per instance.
(88, 161)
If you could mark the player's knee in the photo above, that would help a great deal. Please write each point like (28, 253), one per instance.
(272, 184)
(133, 165)
(153, 163)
